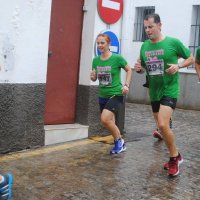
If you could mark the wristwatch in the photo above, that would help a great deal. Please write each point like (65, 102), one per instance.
(180, 66)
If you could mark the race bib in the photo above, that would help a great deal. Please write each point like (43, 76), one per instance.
(104, 78)
(155, 67)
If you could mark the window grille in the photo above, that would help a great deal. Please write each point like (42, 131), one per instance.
(195, 30)
(141, 12)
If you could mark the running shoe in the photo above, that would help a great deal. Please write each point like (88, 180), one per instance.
(173, 165)
(6, 187)
(157, 135)
(166, 165)
(119, 146)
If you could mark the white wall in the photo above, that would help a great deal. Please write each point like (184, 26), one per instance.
(92, 26)
(87, 50)
(176, 22)
(24, 36)
(176, 17)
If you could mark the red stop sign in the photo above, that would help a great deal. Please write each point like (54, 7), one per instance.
(110, 11)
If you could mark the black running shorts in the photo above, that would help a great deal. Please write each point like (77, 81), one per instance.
(112, 104)
(166, 101)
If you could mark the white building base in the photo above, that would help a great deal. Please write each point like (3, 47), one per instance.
(64, 132)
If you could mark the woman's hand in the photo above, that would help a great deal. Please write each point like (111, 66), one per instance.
(93, 75)
(125, 89)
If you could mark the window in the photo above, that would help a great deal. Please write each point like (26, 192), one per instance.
(195, 29)
(141, 12)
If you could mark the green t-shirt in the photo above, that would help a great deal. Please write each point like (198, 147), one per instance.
(109, 75)
(155, 57)
(197, 57)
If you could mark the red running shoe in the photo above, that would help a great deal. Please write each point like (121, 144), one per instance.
(173, 165)
(157, 135)
(166, 165)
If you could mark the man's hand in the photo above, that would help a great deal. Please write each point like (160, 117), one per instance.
(173, 68)
(138, 66)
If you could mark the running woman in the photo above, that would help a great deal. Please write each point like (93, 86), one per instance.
(107, 69)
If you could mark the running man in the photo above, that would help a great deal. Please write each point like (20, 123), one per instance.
(159, 57)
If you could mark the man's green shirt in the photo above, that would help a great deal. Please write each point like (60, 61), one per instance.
(155, 57)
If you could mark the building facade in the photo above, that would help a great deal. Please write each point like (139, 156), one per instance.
(46, 50)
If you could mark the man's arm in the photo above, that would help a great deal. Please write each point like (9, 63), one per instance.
(187, 62)
(173, 68)
(197, 67)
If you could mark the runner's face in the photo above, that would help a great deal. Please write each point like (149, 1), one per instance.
(102, 44)
(152, 29)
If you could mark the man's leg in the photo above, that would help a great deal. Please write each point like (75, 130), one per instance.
(155, 109)
(164, 116)
(155, 115)
(156, 132)
(175, 158)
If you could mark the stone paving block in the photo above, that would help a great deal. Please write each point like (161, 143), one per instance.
(84, 170)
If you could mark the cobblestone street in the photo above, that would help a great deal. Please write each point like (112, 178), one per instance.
(84, 169)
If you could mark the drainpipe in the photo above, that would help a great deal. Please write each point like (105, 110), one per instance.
(127, 27)
(126, 42)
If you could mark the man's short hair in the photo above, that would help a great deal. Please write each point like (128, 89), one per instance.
(155, 16)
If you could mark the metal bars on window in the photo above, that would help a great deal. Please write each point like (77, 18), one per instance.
(141, 12)
(195, 29)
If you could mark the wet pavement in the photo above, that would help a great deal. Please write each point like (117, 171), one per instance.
(84, 169)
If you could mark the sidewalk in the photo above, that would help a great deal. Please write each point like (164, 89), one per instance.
(84, 170)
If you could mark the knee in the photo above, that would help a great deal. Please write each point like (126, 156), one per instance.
(104, 121)
(162, 127)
